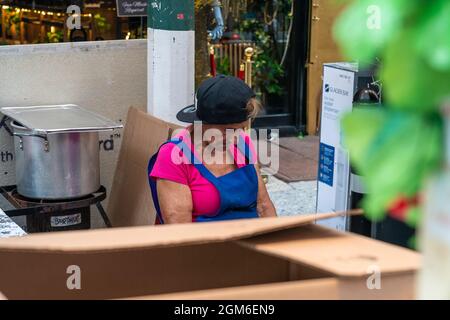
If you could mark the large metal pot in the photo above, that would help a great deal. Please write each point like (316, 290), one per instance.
(57, 165)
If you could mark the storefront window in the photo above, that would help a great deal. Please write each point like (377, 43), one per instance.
(265, 26)
(277, 30)
(44, 21)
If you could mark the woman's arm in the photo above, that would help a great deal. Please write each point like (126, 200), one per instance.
(265, 206)
(175, 201)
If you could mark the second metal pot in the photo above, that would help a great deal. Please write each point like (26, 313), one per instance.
(56, 166)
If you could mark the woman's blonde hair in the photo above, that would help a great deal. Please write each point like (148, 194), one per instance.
(253, 107)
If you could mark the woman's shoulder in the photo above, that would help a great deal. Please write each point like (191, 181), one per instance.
(170, 151)
(170, 164)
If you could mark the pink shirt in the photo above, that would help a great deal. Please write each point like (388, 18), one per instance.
(205, 197)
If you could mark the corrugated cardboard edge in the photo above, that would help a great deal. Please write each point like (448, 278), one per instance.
(130, 202)
(126, 208)
(360, 256)
(323, 289)
(398, 287)
(135, 238)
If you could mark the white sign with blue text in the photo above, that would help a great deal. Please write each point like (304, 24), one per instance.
(333, 172)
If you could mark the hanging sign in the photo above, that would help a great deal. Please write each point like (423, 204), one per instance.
(131, 8)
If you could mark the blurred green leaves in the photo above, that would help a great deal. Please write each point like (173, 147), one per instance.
(267, 70)
(433, 35)
(396, 147)
(367, 26)
(410, 81)
(412, 39)
(394, 150)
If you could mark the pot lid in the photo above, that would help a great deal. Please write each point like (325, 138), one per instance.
(59, 118)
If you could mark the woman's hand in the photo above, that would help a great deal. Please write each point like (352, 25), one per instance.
(265, 206)
(175, 201)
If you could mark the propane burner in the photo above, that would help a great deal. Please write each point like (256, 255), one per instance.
(24, 201)
(54, 215)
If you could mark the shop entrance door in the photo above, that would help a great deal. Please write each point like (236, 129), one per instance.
(284, 100)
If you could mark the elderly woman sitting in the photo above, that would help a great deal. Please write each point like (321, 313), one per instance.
(193, 180)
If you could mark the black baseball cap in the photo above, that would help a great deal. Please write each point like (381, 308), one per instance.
(219, 100)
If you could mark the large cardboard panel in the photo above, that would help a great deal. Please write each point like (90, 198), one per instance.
(108, 275)
(342, 254)
(143, 261)
(130, 202)
(123, 262)
(158, 236)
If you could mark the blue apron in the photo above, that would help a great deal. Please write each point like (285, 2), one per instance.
(238, 190)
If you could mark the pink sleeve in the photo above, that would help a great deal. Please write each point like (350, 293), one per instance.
(171, 165)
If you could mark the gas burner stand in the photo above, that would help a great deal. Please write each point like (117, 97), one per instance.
(27, 207)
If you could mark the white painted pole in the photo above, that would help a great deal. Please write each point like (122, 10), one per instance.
(171, 60)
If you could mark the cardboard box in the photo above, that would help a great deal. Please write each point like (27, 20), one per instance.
(130, 201)
(268, 258)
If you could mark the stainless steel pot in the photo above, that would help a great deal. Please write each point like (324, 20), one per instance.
(57, 165)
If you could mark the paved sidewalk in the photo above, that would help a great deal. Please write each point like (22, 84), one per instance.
(292, 198)
(298, 159)
(293, 189)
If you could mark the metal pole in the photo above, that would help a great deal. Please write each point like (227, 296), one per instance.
(248, 73)
(103, 214)
(248, 65)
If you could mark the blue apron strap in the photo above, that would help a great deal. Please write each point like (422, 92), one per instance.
(244, 148)
(197, 163)
(152, 182)
(192, 159)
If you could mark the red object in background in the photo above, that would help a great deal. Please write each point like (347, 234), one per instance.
(399, 208)
(241, 74)
(212, 62)
(235, 36)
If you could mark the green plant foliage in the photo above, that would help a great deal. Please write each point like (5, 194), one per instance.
(413, 216)
(12, 20)
(101, 23)
(358, 31)
(394, 150)
(433, 36)
(412, 243)
(54, 37)
(410, 81)
(223, 66)
(397, 147)
(268, 72)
